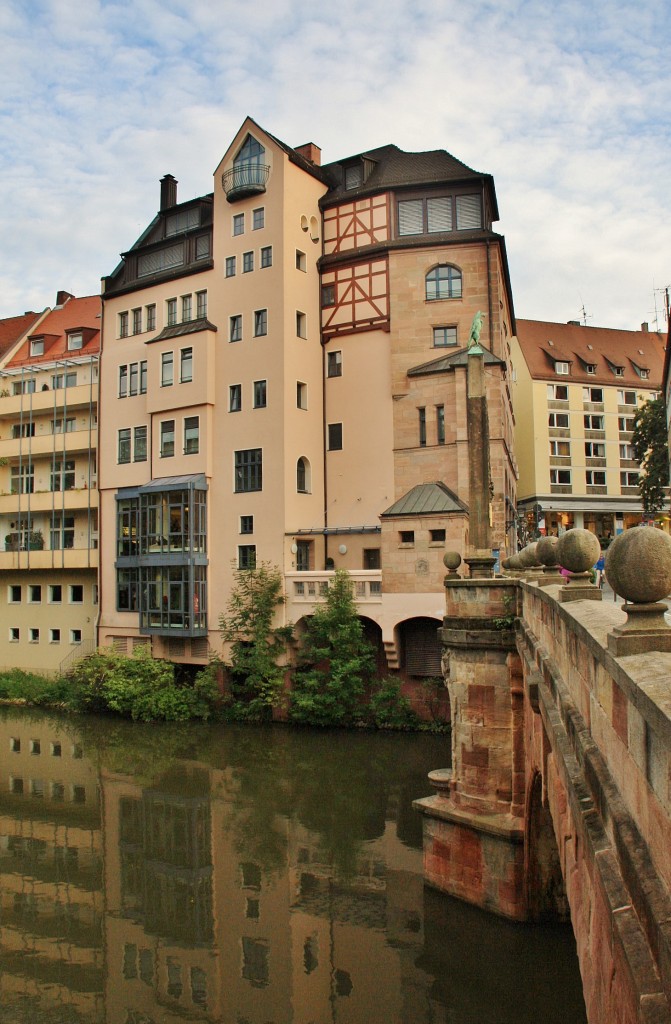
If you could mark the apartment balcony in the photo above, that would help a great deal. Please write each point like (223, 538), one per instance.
(47, 444)
(247, 179)
(559, 432)
(48, 501)
(595, 462)
(595, 435)
(593, 407)
(81, 396)
(59, 558)
(306, 590)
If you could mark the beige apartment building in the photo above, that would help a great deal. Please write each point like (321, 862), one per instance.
(284, 381)
(48, 488)
(576, 390)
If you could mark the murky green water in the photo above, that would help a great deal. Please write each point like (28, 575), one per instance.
(248, 876)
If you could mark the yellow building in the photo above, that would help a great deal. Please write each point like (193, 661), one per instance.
(48, 488)
(576, 390)
(284, 381)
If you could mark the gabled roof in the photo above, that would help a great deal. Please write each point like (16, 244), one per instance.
(426, 499)
(75, 314)
(446, 363)
(13, 328)
(601, 347)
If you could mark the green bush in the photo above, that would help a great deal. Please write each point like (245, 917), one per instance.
(32, 688)
(389, 708)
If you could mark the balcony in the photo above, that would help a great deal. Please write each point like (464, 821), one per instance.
(81, 396)
(59, 558)
(246, 179)
(47, 444)
(305, 590)
(47, 501)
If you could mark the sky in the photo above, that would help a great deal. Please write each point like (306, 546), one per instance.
(566, 104)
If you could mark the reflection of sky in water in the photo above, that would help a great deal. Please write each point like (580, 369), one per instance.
(152, 874)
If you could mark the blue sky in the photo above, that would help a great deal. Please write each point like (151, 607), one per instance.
(565, 104)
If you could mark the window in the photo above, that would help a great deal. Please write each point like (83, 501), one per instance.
(187, 308)
(166, 369)
(24, 387)
(54, 636)
(260, 322)
(593, 422)
(560, 476)
(55, 748)
(557, 392)
(230, 266)
(123, 381)
(371, 558)
(301, 395)
(14, 593)
(562, 368)
(123, 325)
(625, 424)
(143, 377)
(626, 398)
(55, 593)
(140, 444)
(177, 223)
(235, 328)
(440, 424)
(334, 364)
(63, 380)
(60, 426)
(335, 437)
(247, 556)
(258, 218)
(560, 449)
(34, 593)
(76, 593)
(247, 262)
(592, 394)
(595, 478)
(439, 213)
(406, 537)
(22, 480)
(558, 419)
(37, 347)
(301, 325)
(76, 638)
(62, 476)
(123, 447)
(167, 438)
(421, 413)
(266, 256)
(239, 224)
(628, 479)
(354, 175)
(260, 394)
(255, 961)
(595, 450)
(28, 429)
(301, 261)
(235, 398)
(186, 366)
(62, 529)
(15, 744)
(590, 368)
(14, 634)
(34, 639)
(201, 305)
(443, 282)
(444, 337)
(191, 435)
(437, 536)
(150, 313)
(303, 476)
(248, 470)
(246, 524)
(626, 451)
(328, 295)
(171, 309)
(127, 590)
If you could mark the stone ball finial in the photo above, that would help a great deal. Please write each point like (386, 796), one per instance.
(578, 550)
(638, 565)
(527, 556)
(546, 550)
(452, 560)
(514, 563)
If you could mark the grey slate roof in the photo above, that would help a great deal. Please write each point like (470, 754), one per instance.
(427, 499)
(448, 362)
(179, 330)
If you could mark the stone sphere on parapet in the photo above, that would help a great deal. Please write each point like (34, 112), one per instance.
(514, 563)
(452, 560)
(578, 550)
(638, 565)
(527, 556)
(546, 550)
(505, 564)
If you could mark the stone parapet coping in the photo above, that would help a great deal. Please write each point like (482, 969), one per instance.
(503, 826)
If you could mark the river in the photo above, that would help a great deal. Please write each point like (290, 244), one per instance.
(160, 874)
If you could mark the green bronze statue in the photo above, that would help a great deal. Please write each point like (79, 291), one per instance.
(476, 327)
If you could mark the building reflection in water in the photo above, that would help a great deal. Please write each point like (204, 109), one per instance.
(275, 878)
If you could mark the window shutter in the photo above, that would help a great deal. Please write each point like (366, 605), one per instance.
(468, 213)
(439, 214)
(410, 218)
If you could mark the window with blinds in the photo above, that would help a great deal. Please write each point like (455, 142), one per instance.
(163, 259)
(469, 215)
(437, 214)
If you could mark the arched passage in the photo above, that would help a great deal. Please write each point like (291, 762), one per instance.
(420, 648)
(546, 893)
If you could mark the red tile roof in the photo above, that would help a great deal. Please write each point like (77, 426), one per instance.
(13, 328)
(73, 314)
(601, 347)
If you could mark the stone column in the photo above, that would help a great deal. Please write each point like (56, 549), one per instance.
(479, 558)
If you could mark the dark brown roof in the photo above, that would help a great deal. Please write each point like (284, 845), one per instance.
(13, 328)
(449, 361)
(601, 347)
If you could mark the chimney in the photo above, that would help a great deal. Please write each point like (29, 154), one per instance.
(168, 192)
(310, 152)
(62, 297)
(573, 323)
(645, 328)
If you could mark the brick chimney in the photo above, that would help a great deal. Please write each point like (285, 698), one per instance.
(62, 297)
(645, 328)
(310, 152)
(168, 192)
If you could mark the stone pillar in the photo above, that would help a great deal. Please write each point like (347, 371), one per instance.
(479, 557)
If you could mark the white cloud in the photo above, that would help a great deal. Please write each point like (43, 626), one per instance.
(564, 104)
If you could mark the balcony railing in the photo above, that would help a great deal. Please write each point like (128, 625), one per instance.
(247, 179)
(308, 588)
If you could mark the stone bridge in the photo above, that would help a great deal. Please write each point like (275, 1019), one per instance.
(558, 800)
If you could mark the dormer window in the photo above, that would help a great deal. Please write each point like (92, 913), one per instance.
(642, 371)
(617, 370)
(249, 173)
(37, 346)
(75, 341)
(562, 368)
(354, 175)
(590, 368)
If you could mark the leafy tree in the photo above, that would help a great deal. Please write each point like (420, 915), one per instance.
(650, 444)
(336, 662)
(256, 646)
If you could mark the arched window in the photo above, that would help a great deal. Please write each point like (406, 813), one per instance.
(443, 282)
(251, 153)
(303, 476)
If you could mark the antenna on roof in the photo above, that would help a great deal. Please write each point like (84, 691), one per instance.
(584, 316)
(660, 317)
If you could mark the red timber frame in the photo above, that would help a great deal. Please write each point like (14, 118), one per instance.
(350, 226)
(361, 298)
